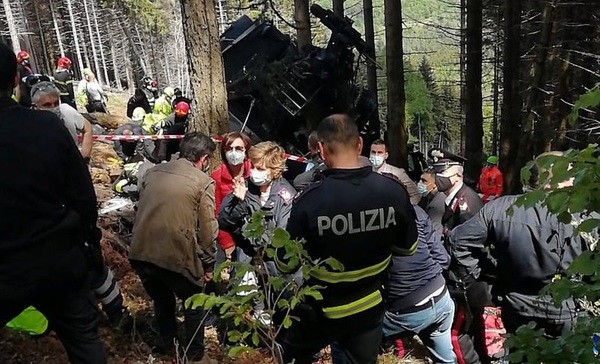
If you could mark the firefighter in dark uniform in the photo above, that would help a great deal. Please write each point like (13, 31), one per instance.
(360, 218)
(63, 79)
(462, 202)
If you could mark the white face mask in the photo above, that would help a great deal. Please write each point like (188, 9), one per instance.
(55, 111)
(235, 157)
(259, 178)
(376, 160)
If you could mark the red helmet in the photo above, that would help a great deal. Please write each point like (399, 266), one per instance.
(22, 56)
(182, 109)
(63, 62)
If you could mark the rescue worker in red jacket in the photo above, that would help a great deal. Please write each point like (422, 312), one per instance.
(491, 181)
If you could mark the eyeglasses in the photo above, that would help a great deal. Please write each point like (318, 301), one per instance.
(32, 80)
(238, 149)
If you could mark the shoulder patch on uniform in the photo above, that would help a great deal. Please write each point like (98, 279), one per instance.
(286, 196)
(463, 205)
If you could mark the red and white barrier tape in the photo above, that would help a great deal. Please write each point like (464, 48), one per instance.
(133, 138)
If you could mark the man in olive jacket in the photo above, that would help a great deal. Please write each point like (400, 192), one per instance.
(173, 249)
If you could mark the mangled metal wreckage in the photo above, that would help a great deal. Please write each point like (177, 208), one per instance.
(276, 92)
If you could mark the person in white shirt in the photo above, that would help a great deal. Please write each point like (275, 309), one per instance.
(96, 97)
(46, 96)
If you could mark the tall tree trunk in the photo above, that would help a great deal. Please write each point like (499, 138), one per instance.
(56, 29)
(512, 103)
(75, 38)
(371, 67)
(134, 50)
(113, 55)
(42, 37)
(207, 75)
(12, 25)
(535, 99)
(463, 72)
(474, 113)
(92, 43)
(496, 86)
(396, 99)
(100, 46)
(302, 18)
(338, 7)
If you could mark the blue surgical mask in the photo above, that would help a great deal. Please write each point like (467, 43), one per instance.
(422, 188)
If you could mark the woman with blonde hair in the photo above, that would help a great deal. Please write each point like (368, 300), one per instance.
(266, 190)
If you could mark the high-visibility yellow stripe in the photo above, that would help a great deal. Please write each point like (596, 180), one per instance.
(409, 251)
(354, 307)
(119, 186)
(353, 275)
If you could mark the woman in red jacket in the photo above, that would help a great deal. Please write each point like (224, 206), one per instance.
(234, 154)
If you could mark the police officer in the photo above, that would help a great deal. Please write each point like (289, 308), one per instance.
(360, 218)
(530, 246)
(462, 202)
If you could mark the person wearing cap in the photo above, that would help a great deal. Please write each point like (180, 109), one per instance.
(162, 104)
(491, 181)
(174, 124)
(462, 202)
(63, 79)
(378, 157)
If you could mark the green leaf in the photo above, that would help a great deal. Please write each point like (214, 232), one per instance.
(335, 264)
(234, 336)
(579, 200)
(588, 225)
(314, 294)
(287, 322)
(280, 238)
(282, 303)
(584, 264)
(564, 217)
(197, 300)
(236, 351)
(556, 201)
(589, 99)
(255, 339)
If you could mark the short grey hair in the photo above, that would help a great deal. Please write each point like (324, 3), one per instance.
(42, 89)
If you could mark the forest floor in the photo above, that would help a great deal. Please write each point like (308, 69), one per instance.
(133, 347)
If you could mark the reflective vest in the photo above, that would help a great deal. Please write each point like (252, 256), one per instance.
(30, 321)
(162, 107)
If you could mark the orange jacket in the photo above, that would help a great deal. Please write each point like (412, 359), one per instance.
(491, 182)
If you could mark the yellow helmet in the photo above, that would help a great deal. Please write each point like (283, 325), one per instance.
(169, 92)
(138, 114)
